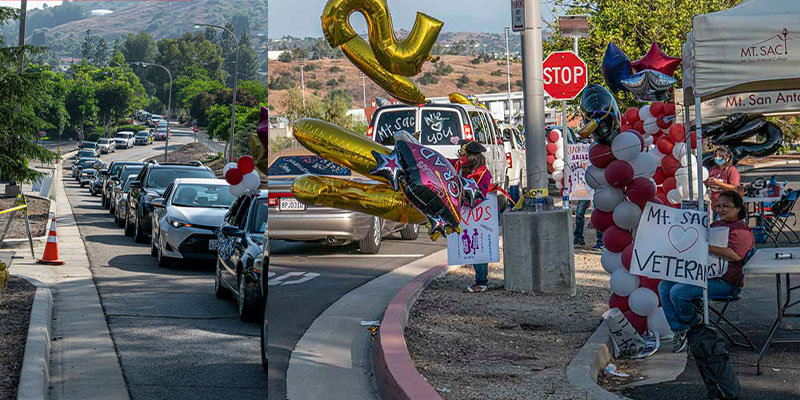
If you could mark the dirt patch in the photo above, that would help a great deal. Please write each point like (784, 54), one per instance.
(15, 309)
(502, 345)
(186, 153)
(750, 161)
(39, 209)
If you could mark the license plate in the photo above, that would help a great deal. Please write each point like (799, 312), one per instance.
(212, 244)
(290, 204)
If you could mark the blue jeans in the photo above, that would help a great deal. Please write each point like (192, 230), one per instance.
(580, 217)
(676, 298)
(481, 274)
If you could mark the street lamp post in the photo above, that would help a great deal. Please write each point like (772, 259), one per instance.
(229, 148)
(508, 75)
(303, 80)
(364, 87)
(169, 101)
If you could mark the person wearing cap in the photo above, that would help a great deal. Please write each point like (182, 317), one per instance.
(472, 164)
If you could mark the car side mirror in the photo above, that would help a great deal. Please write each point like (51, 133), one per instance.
(159, 202)
(136, 185)
(232, 231)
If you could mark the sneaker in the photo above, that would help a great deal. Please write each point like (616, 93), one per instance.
(680, 341)
(577, 242)
(598, 246)
(476, 288)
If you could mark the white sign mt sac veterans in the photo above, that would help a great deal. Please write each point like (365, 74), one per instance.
(672, 244)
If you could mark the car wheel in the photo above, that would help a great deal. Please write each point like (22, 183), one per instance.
(83, 184)
(248, 307)
(163, 261)
(104, 201)
(116, 219)
(111, 208)
(138, 235)
(153, 248)
(371, 244)
(264, 342)
(128, 225)
(410, 232)
(219, 290)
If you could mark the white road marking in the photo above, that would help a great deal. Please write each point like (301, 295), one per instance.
(281, 280)
(308, 276)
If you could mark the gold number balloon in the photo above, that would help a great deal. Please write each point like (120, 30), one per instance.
(386, 60)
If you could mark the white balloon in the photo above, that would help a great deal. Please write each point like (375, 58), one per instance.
(626, 146)
(682, 175)
(644, 113)
(251, 181)
(648, 141)
(643, 301)
(611, 261)
(644, 165)
(674, 197)
(595, 177)
(705, 174)
(559, 155)
(237, 190)
(607, 198)
(684, 160)
(558, 165)
(626, 215)
(623, 283)
(683, 191)
(658, 156)
(227, 167)
(560, 144)
(651, 126)
(558, 175)
(657, 322)
(679, 150)
(559, 185)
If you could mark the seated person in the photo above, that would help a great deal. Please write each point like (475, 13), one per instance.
(676, 298)
(186, 196)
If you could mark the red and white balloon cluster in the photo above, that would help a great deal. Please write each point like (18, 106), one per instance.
(555, 156)
(242, 176)
(621, 175)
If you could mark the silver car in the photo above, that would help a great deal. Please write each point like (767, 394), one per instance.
(107, 145)
(185, 218)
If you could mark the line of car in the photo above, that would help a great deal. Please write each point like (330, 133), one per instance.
(186, 213)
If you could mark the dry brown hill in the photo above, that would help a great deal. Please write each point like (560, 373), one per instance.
(344, 75)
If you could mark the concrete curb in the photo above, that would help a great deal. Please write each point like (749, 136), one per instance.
(34, 380)
(592, 358)
(38, 241)
(746, 168)
(395, 373)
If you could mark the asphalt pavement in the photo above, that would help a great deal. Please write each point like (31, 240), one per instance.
(305, 279)
(174, 338)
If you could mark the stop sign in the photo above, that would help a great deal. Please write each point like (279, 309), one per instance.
(564, 75)
(195, 129)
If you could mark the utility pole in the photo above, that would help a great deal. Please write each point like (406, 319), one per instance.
(303, 80)
(21, 42)
(508, 75)
(533, 88)
(364, 86)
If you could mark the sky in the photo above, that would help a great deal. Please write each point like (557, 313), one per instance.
(31, 3)
(300, 18)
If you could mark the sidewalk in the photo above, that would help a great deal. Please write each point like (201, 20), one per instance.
(84, 363)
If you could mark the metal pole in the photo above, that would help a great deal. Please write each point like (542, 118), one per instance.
(233, 108)
(533, 88)
(687, 123)
(700, 205)
(303, 81)
(364, 86)
(169, 111)
(508, 77)
(24, 9)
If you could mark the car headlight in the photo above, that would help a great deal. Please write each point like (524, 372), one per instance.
(178, 223)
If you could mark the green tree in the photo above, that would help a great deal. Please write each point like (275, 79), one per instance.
(140, 47)
(51, 106)
(101, 53)
(80, 104)
(113, 102)
(87, 48)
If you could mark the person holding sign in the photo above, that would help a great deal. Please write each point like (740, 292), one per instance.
(471, 164)
(676, 298)
(724, 176)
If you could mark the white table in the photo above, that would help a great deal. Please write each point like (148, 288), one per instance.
(760, 201)
(764, 263)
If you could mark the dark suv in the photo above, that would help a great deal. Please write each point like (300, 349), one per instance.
(111, 177)
(150, 184)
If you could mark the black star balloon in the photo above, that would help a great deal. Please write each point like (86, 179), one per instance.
(436, 224)
(472, 193)
(388, 167)
(649, 85)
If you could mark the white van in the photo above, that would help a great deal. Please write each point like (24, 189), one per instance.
(441, 127)
(514, 144)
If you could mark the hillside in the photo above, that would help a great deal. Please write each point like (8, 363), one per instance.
(327, 75)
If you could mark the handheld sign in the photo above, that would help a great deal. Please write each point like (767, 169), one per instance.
(578, 163)
(672, 244)
(479, 240)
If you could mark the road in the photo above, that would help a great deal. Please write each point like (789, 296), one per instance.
(305, 279)
(174, 338)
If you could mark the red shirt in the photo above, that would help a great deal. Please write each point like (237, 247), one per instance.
(740, 240)
(729, 175)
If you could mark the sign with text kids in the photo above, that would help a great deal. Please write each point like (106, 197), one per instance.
(479, 240)
(576, 181)
(672, 244)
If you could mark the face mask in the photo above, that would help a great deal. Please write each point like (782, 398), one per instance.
(719, 161)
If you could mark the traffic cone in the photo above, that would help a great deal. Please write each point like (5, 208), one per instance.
(50, 256)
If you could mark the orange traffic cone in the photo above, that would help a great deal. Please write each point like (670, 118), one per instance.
(50, 256)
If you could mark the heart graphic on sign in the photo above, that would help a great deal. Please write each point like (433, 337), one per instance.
(682, 239)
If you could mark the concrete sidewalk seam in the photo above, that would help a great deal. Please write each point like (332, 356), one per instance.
(34, 378)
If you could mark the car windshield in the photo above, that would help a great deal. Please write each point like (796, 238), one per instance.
(130, 171)
(103, 141)
(85, 153)
(394, 121)
(89, 145)
(259, 223)
(162, 130)
(127, 187)
(311, 164)
(87, 163)
(161, 178)
(124, 135)
(141, 135)
(202, 195)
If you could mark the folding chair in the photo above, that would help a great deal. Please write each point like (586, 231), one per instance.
(780, 213)
(727, 299)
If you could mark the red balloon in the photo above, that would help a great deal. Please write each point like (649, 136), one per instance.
(246, 164)
(663, 123)
(657, 109)
(657, 60)
(670, 164)
(600, 155)
(632, 115)
(669, 184)
(665, 145)
(659, 176)
(623, 121)
(619, 173)
(638, 126)
(669, 109)
(615, 239)
(624, 127)
(650, 283)
(694, 139)
(627, 256)
(552, 148)
(552, 136)
(676, 133)
(639, 323)
(550, 159)
(657, 200)
(602, 220)
(663, 198)
(640, 190)
(618, 302)
(550, 168)
(234, 176)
